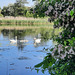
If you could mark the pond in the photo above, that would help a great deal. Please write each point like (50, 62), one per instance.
(19, 58)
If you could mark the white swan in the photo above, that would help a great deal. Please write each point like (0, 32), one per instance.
(14, 40)
(37, 40)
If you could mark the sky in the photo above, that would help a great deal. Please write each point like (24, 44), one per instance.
(7, 2)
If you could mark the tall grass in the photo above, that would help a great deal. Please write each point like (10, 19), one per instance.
(25, 22)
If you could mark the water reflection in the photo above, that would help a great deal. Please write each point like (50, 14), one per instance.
(25, 36)
(20, 57)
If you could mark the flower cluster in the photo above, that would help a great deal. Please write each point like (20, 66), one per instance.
(60, 52)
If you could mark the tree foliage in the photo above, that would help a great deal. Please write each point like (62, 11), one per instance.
(57, 67)
(21, 2)
(0, 12)
(62, 13)
(16, 9)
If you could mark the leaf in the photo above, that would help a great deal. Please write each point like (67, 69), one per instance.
(50, 64)
(65, 43)
(37, 70)
(50, 1)
(71, 12)
(39, 65)
(43, 71)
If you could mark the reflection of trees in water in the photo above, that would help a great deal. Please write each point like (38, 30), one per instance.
(20, 45)
(42, 33)
(48, 33)
(45, 33)
(19, 33)
(5, 32)
(11, 35)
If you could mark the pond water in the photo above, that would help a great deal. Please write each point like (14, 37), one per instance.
(19, 58)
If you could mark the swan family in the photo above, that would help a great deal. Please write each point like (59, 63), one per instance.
(36, 40)
(15, 40)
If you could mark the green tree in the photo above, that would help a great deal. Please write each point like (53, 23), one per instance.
(4, 11)
(28, 14)
(21, 2)
(62, 13)
(10, 10)
(16, 9)
(19, 7)
(0, 12)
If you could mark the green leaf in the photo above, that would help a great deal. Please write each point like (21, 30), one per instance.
(43, 71)
(50, 64)
(65, 43)
(37, 70)
(71, 12)
(67, 13)
(39, 65)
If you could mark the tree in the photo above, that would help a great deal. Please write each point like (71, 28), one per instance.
(28, 14)
(16, 9)
(10, 9)
(19, 7)
(21, 2)
(62, 13)
(0, 12)
(4, 11)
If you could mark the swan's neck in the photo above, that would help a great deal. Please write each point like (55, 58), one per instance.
(16, 38)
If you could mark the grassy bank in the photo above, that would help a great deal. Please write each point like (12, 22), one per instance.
(24, 22)
(24, 27)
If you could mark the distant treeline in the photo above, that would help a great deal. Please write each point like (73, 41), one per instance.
(16, 9)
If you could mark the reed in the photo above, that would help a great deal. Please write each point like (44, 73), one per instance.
(27, 22)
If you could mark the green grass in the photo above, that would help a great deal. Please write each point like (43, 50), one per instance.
(39, 22)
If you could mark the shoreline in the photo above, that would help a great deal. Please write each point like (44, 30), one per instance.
(23, 27)
(20, 23)
(27, 22)
(22, 18)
